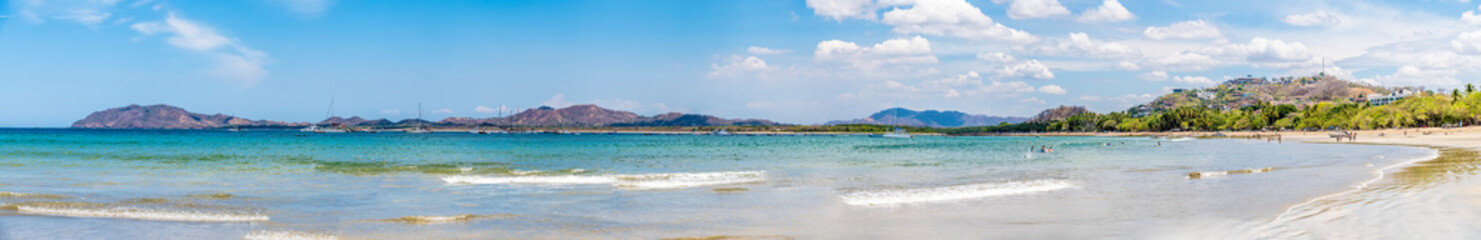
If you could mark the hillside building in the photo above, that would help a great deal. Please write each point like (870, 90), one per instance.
(1385, 99)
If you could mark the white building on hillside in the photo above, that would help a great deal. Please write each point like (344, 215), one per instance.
(1382, 99)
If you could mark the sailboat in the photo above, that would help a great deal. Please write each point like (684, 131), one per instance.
(419, 128)
(721, 132)
(899, 132)
(329, 129)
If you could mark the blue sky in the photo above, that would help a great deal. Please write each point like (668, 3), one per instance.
(805, 61)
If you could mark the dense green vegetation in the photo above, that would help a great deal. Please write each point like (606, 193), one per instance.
(1420, 110)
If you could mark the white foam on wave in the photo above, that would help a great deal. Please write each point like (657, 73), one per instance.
(531, 180)
(635, 181)
(287, 235)
(143, 214)
(893, 197)
(1197, 175)
(1181, 139)
(518, 172)
(685, 180)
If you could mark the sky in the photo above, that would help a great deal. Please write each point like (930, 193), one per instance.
(802, 61)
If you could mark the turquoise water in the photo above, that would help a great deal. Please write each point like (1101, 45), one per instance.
(91, 184)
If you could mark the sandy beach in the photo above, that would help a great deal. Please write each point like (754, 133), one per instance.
(1426, 199)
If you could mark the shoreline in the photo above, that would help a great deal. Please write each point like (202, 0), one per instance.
(1418, 181)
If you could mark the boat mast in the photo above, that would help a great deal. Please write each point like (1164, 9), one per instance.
(330, 113)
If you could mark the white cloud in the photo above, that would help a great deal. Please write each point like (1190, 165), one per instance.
(306, 7)
(1182, 61)
(233, 60)
(86, 16)
(1052, 89)
(1007, 88)
(557, 101)
(1421, 63)
(915, 50)
(1154, 76)
(485, 110)
(1123, 100)
(1411, 75)
(1079, 44)
(1028, 69)
(1128, 66)
(1317, 18)
(1470, 17)
(1109, 11)
(961, 85)
(952, 18)
(766, 51)
(442, 111)
(738, 66)
(1026, 9)
(843, 9)
(996, 57)
(1184, 30)
(391, 111)
(1196, 80)
(1263, 52)
(86, 12)
(1467, 42)
(1259, 52)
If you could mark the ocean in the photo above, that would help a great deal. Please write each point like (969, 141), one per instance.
(183, 184)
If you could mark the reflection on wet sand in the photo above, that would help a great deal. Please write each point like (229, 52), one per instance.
(1371, 210)
(1452, 165)
(418, 220)
(727, 237)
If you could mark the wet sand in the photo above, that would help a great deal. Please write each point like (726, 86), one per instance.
(1428, 199)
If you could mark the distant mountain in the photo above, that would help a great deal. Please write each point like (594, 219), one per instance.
(929, 118)
(170, 117)
(593, 116)
(1058, 114)
(692, 120)
(573, 116)
(578, 115)
(162, 116)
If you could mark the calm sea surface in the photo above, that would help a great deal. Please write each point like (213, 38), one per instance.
(87, 184)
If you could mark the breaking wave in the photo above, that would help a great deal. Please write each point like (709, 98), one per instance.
(138, 213)
(534, 180)
(636, 181)
(685, 180)
(1199, 175)
(951, 193)
(4, 194)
